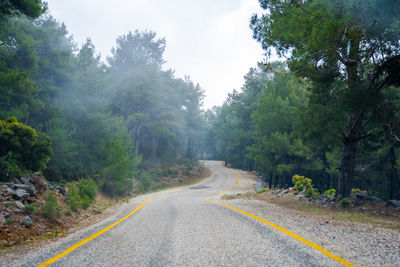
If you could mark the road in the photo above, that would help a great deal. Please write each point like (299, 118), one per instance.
(179, 227)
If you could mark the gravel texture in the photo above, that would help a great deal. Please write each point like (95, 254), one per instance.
(180, 228)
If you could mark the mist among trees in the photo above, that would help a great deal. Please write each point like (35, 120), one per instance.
(100, 119)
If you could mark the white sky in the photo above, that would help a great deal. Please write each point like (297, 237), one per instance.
(209, 40)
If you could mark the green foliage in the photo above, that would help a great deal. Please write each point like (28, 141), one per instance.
(81, 194)
(350, 65)
(30, 208)
(262, 190)
(31, 8)
(144, 182)
(120, 169)
(102, 119)
(355, 191)
(73, 198)
(68, 213)
(313, 193)
(301, 183)
(330, 192)
(23, 149)
(8, 222)
(345, 202)
(50, 210)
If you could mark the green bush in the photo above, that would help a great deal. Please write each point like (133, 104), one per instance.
(312, 192)
(30, 208)
(51, 209)
(330, 192)
(22, 148)
(121, 167)
(262, 190)
(345, 202)
(73, 198)
(145, 181)
(355, 191)
(81, 194)
(301, 183)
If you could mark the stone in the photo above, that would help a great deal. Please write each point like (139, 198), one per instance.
(393, 202)
(51, 187)
(39, 183)
(96, 211)
(27, 221)
(61, 190)
(10, 192)
(32, 191)
(366, 197)
(24, 180)
(21, 195)
(28, 188)
(2, 218)
(19, 205)
(327, 198)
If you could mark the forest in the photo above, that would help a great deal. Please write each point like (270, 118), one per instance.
(331, 110)
(70, 115)
(328, 109)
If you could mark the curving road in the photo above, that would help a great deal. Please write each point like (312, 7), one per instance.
(180, 228)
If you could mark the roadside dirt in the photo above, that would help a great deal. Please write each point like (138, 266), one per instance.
(378, 214)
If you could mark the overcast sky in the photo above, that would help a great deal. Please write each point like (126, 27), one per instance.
(209, 40)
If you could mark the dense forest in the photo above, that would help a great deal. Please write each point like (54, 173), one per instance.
(331, 110)
(67, 113)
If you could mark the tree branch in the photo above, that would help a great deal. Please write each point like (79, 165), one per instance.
(391, 132)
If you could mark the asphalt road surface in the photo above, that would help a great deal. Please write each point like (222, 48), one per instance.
(181, 228)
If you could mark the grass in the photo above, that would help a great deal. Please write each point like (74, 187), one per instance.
(229, 197)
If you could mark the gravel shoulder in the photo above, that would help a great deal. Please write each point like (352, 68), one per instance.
(361, 244)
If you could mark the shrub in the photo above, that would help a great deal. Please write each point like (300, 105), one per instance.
(355, 191)
(22, 149)
(72, 198)
(121, 167)
(330, 192)
(68, 213)
(345, 202)
(81, 194)
(312, 192)
(145, 181)
(262, 190)
(301, 183)
(51, 209)
(30, 208)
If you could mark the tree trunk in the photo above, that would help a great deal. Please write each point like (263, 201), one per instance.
(346, 170)
(154, 147)
(270, 181)
(394, 177)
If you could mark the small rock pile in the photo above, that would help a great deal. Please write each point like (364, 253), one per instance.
(14, 196)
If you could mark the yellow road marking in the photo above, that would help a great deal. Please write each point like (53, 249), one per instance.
(86, 240)
(280, 228)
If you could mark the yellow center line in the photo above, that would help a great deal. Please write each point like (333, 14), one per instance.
(86, 240)
(280, 228)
